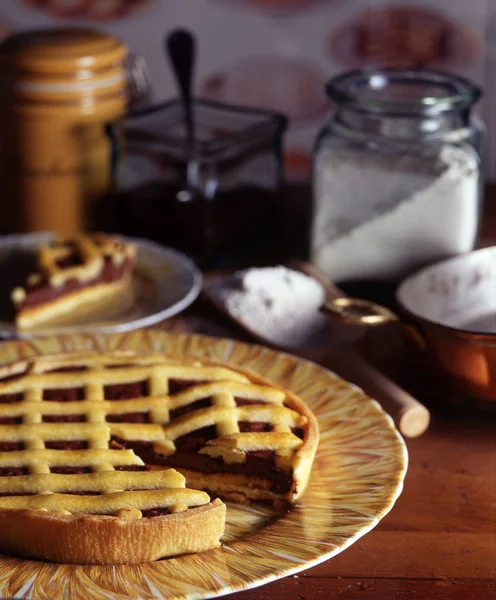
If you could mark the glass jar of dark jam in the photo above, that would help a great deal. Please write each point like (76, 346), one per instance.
(217, 200)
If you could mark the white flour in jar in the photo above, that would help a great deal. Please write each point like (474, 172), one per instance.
(378, 217)
(275, 303)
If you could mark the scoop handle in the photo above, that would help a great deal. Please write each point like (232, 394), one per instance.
(410, 416)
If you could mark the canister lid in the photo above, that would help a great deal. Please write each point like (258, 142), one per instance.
(61, 51)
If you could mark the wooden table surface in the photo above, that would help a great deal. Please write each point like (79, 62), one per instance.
(439, 541)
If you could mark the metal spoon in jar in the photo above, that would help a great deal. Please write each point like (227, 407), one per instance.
(181, 50)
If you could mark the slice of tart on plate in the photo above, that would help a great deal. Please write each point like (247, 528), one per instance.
(76, 278)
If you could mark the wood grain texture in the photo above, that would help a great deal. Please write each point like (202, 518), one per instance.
(411, 554)
(372, 588)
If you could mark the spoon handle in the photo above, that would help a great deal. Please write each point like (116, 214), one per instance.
(181, 49)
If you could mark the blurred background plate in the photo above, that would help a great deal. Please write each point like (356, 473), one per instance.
(165, 282)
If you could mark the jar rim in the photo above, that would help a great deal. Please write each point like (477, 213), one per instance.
(247, 125)
(372, 90)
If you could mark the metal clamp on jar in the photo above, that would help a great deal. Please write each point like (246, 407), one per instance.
(397, 174)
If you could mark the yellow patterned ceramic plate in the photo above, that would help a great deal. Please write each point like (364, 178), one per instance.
(357, 476)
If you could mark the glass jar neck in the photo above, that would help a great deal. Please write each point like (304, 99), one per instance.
(400, 126)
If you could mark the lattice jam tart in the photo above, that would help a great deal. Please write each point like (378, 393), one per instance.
(83, 272)
(91, 445)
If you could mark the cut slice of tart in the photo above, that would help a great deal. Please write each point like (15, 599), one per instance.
(75, 427)
(74, 279)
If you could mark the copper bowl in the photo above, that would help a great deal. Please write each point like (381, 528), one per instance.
(449, 311)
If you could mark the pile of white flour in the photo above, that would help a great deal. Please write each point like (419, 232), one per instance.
(275, 303)
(380, 216)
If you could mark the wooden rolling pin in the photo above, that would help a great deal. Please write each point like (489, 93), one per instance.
(410, 416)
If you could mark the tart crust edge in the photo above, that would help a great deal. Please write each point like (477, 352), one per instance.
(103, 539)
(91, 297)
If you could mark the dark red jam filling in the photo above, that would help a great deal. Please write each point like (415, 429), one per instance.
(246, 402)
(9, 471)
(129, 418)
(12, 377)
(63, 395)
(66, 445)
(132, 468)
(183, 410)
(298, 433)
(124, 391)
(64, 418)
(63, 470)
(8, 398)
(154, 512)
(10, 420)
(42, 292)
(11, 446)
(178, 385)
(194, 441)
(246, 427)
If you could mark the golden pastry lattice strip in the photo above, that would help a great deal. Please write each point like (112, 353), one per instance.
(108, 504)
(103, 482)
(241, 390)
(90, 249)
(96, 377)
(70, 458)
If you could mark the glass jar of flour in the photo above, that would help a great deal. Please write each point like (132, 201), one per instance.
(397, 178)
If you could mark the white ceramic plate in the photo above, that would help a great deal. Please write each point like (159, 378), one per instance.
(165, 283)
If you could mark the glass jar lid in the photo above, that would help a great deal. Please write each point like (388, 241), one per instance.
(402, 91)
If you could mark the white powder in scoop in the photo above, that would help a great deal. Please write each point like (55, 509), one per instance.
(275, 303)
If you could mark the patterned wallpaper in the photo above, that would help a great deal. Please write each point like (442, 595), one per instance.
(279, 53)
